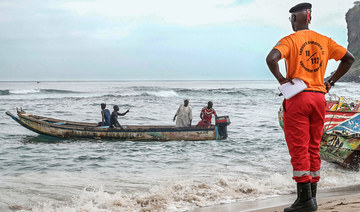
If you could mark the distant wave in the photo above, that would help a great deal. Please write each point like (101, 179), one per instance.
(153, 92)
(163, 92)
(178, 92)
(227, 91)
(169, 93)
(56, 91)
(4, 92)
(33, 91)
(159, 93)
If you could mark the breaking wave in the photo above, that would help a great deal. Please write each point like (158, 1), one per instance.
(194, 93)
(169, 93)
(172, 196)
(34, 91)
(229, 91)
(4, 92)
(182, 195)
(160, 93)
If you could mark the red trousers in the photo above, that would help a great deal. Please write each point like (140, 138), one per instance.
(304, 116)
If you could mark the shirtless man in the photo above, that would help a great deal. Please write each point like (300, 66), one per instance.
(114, 117)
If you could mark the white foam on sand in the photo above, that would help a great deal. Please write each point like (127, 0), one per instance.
(84, 193)
(176, 195)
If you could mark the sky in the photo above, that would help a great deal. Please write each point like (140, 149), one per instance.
(151, 39)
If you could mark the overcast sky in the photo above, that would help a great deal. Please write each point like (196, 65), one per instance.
(151, 39)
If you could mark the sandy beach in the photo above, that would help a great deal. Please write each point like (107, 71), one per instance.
(348, 203)
(334, 200)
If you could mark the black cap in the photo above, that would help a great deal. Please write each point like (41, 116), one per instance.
(300, 7)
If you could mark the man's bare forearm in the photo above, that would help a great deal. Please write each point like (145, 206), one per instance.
(343, 67)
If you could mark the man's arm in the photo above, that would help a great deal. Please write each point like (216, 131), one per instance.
(190, 116)
(177, 113)
(123, 114)
(343, 67)
(102, 118)
(272, 61)
(116, 123)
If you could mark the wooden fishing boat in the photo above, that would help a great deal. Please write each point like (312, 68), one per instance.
(68, 129)
(341, 133)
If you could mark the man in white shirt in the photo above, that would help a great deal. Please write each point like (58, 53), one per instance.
(184, 115)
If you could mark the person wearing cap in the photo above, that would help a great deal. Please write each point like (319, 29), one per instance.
(306, 54)
(184, 115)
(105, 116)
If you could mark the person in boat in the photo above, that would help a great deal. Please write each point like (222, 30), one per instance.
(114, 117)
(105, 116)
(184, 115)
(206, 115)
(306, 53)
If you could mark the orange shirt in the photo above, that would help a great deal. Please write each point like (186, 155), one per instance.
(307, 53)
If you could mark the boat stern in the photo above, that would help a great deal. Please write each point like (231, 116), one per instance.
(221, 123)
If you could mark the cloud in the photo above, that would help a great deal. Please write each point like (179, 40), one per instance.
(208, 12)
(150, 39)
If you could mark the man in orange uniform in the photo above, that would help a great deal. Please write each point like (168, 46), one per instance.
(306, 54)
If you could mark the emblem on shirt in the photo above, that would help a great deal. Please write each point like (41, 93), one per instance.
(311, 60)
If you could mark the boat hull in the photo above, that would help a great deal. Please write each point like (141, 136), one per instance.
(65, 129)
(340, 142)
(341, 150)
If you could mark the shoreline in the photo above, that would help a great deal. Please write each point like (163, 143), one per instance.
(329, 200)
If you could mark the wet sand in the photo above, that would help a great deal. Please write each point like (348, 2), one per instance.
(346, 203)
(332, 200)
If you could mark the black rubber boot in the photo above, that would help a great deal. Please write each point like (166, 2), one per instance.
(313, 193)
(304, 201)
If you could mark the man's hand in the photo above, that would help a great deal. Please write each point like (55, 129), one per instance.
(328, 86)
(285, 80)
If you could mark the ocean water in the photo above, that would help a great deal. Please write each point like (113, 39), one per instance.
(40, 173)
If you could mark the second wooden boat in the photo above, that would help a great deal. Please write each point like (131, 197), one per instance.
(341, 133)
